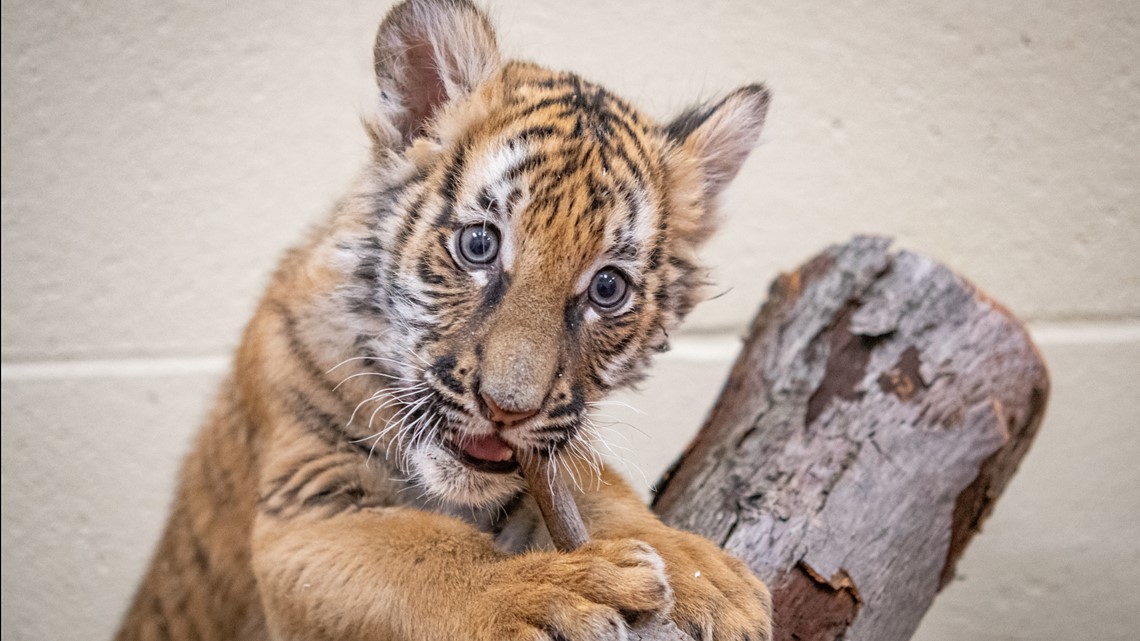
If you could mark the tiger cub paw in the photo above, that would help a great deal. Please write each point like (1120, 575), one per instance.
(590, 594)
(716, 595)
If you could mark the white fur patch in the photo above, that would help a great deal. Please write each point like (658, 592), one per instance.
(486, 172)
(447, 479)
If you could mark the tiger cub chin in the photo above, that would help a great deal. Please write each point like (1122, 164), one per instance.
(519, 245)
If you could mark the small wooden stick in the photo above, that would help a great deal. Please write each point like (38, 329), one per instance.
(568, 532)
(557, 505)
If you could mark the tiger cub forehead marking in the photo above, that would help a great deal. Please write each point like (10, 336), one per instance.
(570, 173)
(492, 192)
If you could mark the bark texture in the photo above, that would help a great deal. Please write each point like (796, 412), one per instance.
(879, 407)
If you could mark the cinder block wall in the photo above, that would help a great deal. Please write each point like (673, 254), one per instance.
(158, 157)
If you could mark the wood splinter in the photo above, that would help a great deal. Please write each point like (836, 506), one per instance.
(568, 533)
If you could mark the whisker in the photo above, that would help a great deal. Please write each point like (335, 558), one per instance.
(388, 403)
(388, 376)
(406, 410)
(399, 426)
(393, 394)
(617, 403)
(591, 456)
(373, 358)
(417, 356)
(575, 447)
(616, 421)
(623, 460)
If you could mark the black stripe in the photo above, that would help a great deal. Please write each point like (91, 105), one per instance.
(495, 291)
(297, 486)
(504, 514)
(574, 407)
(689, 121)
(535, 133)
(552, 101)
(442, 369)
(318, 422)
(450, 187)
(527, 163)
(426, 274)
(448, 403)
(309, 366)
(572, 315)
(159, 616)
(347, 493)
(414, 211)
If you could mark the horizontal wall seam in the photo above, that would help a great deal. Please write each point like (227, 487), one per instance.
(690, 349)
(113, 368)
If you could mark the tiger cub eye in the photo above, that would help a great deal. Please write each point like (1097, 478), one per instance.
(478, 244)
(609, 289)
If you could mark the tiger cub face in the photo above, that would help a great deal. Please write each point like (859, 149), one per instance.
(528, 242)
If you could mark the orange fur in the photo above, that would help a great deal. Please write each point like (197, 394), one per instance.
(338, 491)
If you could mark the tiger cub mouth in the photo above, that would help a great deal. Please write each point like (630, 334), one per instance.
(484, 453)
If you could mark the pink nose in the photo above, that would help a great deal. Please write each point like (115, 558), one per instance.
(500, 415)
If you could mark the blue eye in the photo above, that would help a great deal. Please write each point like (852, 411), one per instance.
(478, 244)
(609, 289)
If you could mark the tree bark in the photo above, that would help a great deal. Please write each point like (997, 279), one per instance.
(879, 407)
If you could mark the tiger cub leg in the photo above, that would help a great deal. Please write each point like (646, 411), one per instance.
(399, 573)
(716, 596)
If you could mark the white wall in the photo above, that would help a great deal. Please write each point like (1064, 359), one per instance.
(157, 157)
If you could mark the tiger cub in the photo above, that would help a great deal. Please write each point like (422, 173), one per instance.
(519, 245)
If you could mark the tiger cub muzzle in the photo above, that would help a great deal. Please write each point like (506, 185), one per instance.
(514, 380)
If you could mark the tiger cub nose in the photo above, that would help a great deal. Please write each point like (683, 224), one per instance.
(500, 415)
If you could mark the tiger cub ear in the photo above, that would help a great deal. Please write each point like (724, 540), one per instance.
(720, 136)
(427, 53)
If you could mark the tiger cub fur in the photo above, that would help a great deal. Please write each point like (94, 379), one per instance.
(519, 245)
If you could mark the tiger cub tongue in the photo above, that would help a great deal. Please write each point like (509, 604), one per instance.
(487, 448)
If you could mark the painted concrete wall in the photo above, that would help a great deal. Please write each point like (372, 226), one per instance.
(157, 158)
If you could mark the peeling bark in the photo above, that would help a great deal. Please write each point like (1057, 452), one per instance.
(831, 604)
(879, 407)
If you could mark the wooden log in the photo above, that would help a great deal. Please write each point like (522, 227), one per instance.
(878, 409)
